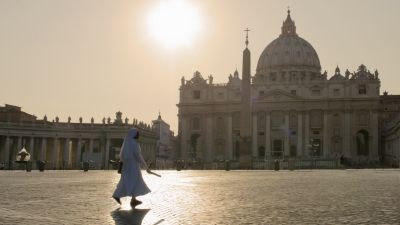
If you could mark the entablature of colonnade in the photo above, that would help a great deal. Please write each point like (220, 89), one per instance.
(31, 130)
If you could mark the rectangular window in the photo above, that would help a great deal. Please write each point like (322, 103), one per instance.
(293, 92)
(336, 92)
(261, 93)
(196, 94)
(362, 89)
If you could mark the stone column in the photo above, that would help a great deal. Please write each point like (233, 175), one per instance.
(19, 144)
(326, 152)
(143, 147)
(183, 138)
(229, 138)
(300, 146)
(306, 149)
(54, 153)
(7, 151)
(374, 155)
(107, 153)
(78, 153)
(267, 135)
(209, 139)
(66, 157)
(31, 149)
(90, 145)
(43, 149)
(347, 134)
(287, 134)
(254, 144)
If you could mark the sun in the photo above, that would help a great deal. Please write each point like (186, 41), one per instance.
(174, 23)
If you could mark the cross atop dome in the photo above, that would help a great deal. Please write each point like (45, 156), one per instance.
(288, 27)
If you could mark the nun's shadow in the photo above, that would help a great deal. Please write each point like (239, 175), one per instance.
(129, 217)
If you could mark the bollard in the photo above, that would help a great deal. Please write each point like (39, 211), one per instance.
(178, 166)
(28, 166)
(276, 165)
(85, 166)
(41, 165)
(227, 165)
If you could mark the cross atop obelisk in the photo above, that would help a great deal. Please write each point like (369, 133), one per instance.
(247, 36)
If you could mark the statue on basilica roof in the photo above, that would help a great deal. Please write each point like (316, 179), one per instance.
(183, 80)
(347, 74)
(376, 74)
(210, 79)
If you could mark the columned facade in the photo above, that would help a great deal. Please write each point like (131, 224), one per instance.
(254, 136)
(229, 145)
(67, 145)
(267, 135)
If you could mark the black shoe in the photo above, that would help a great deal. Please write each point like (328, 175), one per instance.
(117, 199)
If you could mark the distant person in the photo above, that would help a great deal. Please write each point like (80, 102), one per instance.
(131, 182)
(341, 160)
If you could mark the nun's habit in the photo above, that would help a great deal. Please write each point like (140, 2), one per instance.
(131, 182)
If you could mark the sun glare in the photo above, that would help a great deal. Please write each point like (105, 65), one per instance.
(174, 23)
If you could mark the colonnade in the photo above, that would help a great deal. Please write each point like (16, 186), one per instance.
(65, 152)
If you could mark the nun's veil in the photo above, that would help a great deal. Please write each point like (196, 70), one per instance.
(129, 145)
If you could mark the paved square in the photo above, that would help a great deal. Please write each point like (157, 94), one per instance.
(204, 197)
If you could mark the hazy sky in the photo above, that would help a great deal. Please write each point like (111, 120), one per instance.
(92, 58)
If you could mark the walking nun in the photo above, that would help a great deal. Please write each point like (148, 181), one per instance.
(131, 182)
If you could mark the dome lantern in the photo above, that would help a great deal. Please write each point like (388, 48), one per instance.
(288, 26)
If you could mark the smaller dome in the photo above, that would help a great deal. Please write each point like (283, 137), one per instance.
(337, 75)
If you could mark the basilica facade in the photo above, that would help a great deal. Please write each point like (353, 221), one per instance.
(288, 109)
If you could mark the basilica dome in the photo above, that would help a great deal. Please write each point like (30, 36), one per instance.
(288, 52)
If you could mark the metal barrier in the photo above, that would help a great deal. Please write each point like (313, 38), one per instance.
(294, 164)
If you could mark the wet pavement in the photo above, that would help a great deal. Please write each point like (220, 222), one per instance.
(204, 197)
